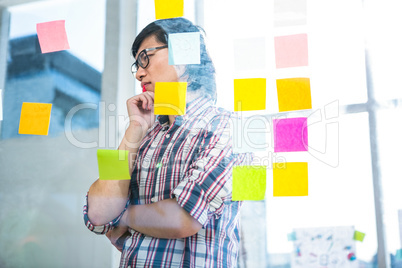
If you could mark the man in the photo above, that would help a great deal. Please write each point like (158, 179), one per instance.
(176, 211)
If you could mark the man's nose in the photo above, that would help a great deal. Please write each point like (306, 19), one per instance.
(140, 74)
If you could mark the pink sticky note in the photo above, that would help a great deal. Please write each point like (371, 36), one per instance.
(290, 135)
(52, 36)
(291, 51)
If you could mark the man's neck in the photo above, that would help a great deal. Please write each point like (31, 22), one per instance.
(171, 119)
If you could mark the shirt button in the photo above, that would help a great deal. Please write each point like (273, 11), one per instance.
(153, 199)
(168, 136)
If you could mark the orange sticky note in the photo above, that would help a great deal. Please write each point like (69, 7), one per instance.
(249, 94)
(35, 118)
(52, 36)
(170, 98)
(166, 9)
(293, 94)
(290, 179)
(291, 51)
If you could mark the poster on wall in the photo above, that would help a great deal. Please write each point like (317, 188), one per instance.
(329, 247)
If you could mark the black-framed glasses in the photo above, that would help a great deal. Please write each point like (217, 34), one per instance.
(143, 59)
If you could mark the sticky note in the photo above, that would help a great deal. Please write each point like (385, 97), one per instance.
(184, 48)
(166, 9)
(52, 36)
(1, 104)
(249, 53)
(113, 164)
(35, 118)
(290, 179)
(250, 134)
(290, 12)
(170, 98)
(292, 236)
(293, 94)
(249, 94)
(249, 183)
(291, 51)
(290, 135)
(359, 236)
(398, 254)
(400, 224)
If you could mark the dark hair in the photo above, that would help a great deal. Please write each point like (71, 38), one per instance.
(200, 76)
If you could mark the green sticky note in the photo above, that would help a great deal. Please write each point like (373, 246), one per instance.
(250, 94)
(290, 179)
(249, 183)
(113, 165)
(359, 236)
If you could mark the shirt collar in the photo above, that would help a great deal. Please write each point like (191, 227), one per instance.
(194, 107)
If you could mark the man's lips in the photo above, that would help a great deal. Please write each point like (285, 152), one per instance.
(143, 86)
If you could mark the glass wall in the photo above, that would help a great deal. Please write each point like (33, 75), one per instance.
(44, 179)
(354, 180)
(340, 156)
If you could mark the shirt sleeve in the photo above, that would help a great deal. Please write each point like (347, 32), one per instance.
(101, 229)
(207, 184)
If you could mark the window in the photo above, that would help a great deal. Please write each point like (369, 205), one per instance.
(44, 178)
(342, 194)
(354, 67)
(65, 79)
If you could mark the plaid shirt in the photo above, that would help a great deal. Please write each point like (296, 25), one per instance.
(192, 161)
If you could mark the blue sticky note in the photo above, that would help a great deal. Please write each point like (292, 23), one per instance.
(398, 255)
(184, 48)
(250, 134)
(292, 236)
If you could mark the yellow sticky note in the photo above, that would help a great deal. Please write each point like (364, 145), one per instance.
(359, 236)
(170, 98)
(249, 183)
(290, 179)
(166, 9)
(293, 94)
(35, 118)
(249, 94)
(113, 164)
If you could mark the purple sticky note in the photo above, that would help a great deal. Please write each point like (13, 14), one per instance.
(52, 36)
(290, 135)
